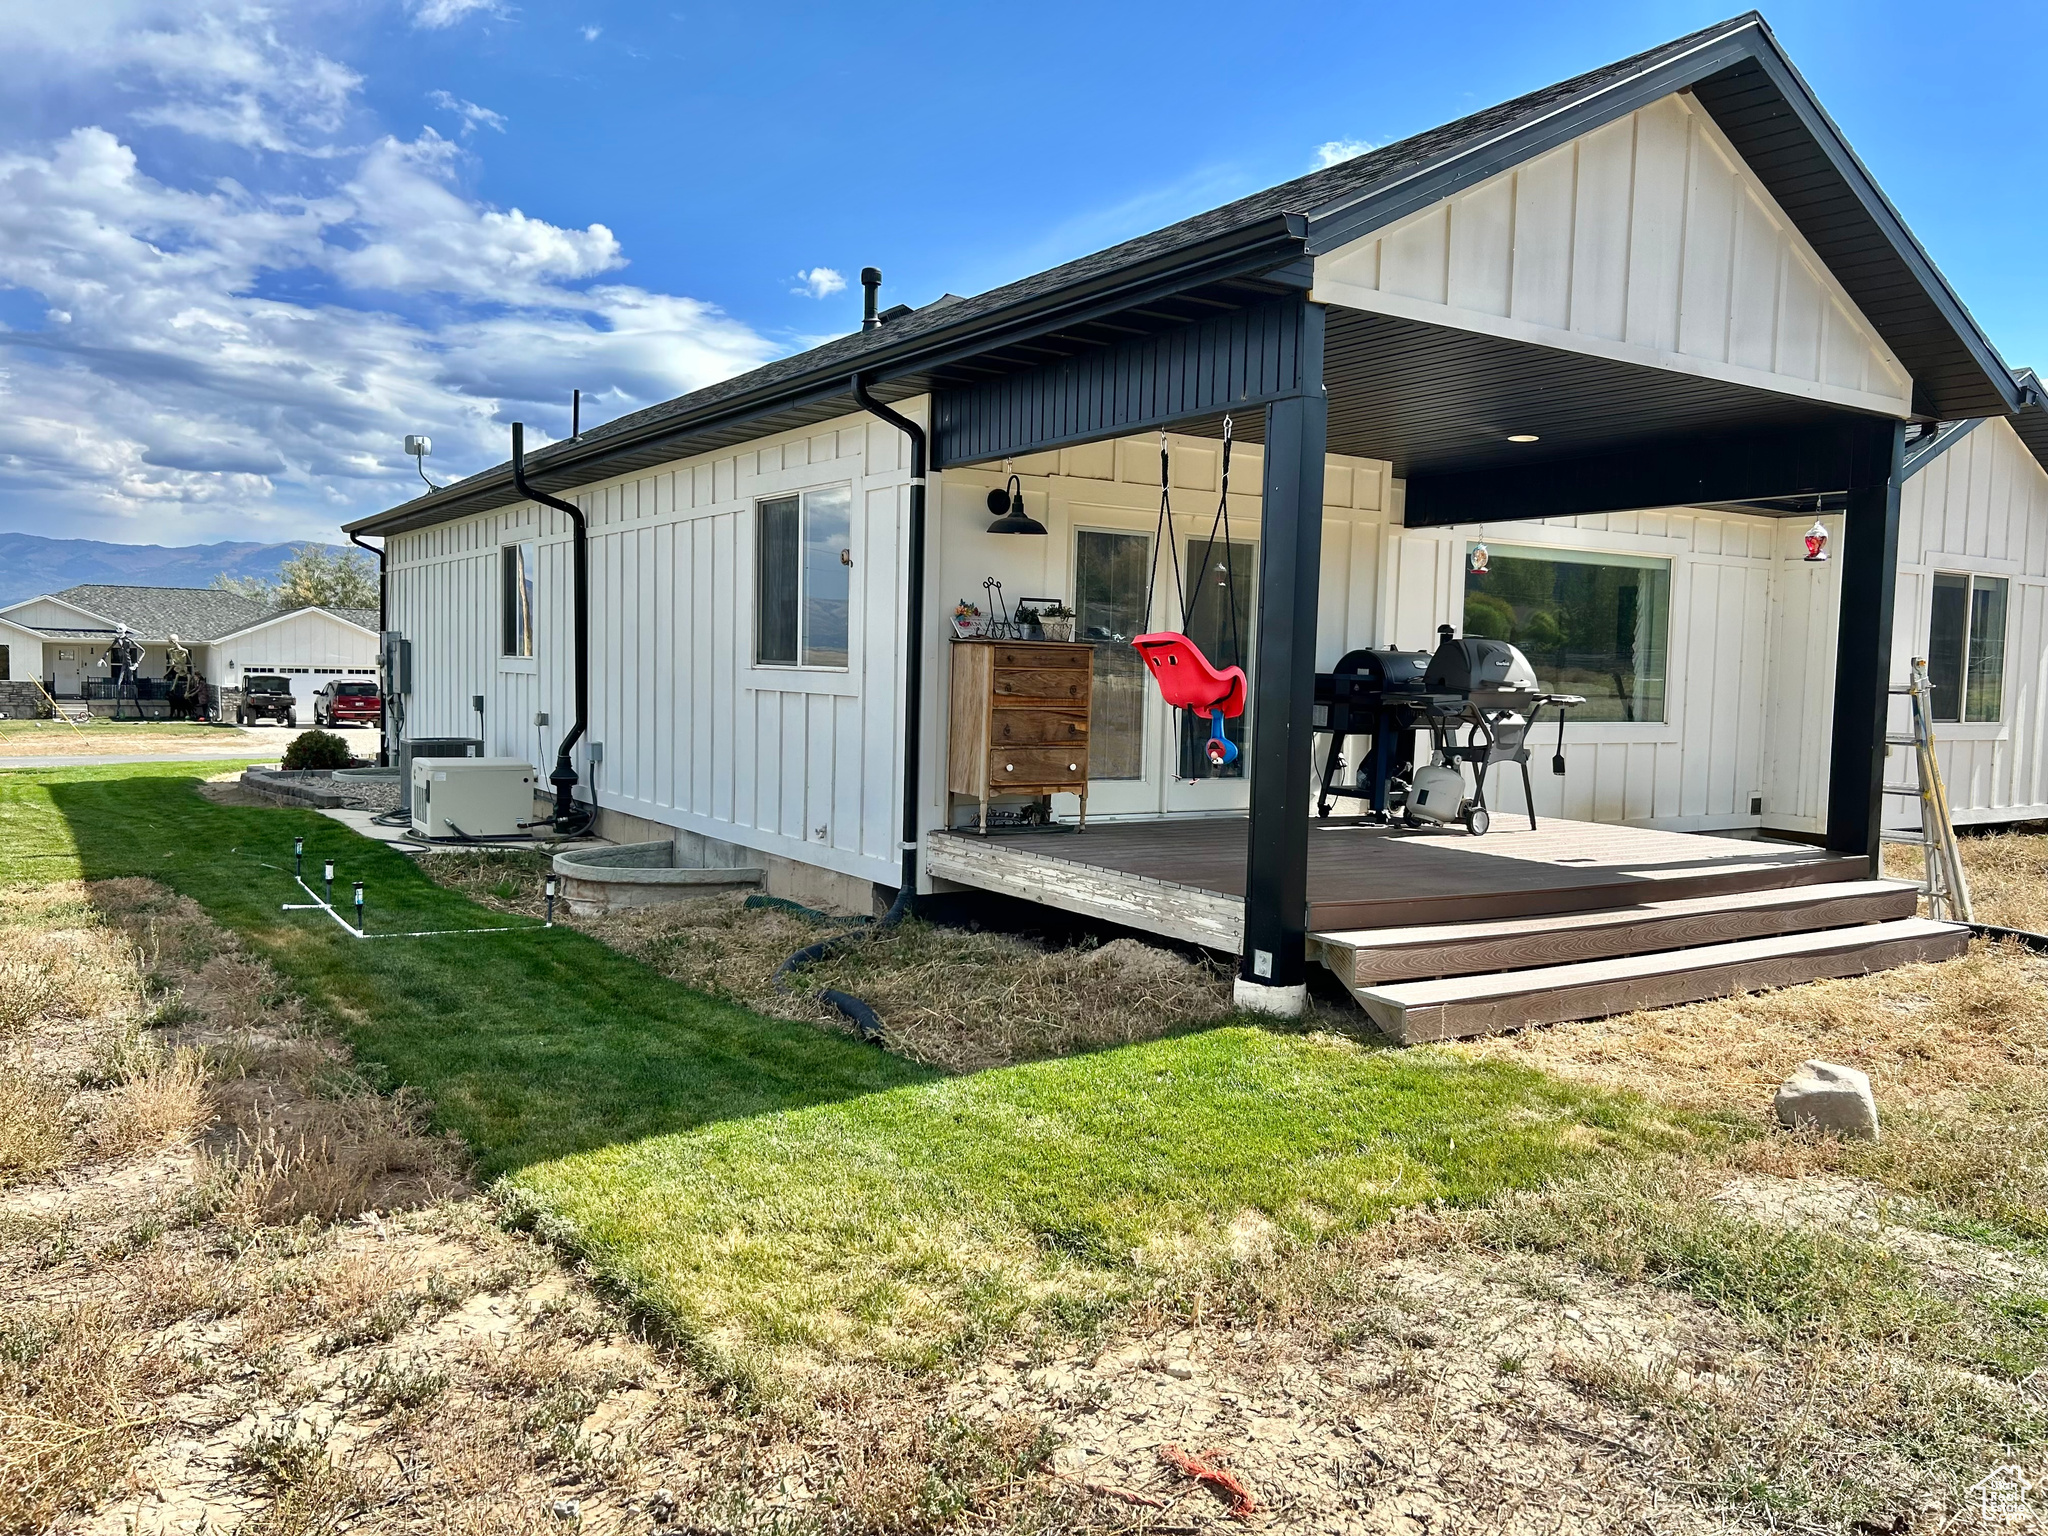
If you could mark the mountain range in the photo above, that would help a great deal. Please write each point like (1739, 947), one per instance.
(31, 565)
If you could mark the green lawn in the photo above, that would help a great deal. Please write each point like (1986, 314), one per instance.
(763, 1184)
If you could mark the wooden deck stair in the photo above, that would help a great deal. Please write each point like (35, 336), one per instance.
(1448, 980)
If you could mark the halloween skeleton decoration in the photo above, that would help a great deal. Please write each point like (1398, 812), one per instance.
(123, 657)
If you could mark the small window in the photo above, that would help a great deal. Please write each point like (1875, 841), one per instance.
(6, 666)
(516, 562)
(1966, 648)
(1591, 624)
(803, 579)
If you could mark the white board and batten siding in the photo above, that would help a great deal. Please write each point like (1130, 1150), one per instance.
(1703, 767)
(1646, 241)
(800, 762)
(1981, 508)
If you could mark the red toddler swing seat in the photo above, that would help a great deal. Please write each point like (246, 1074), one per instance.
(1186, 677)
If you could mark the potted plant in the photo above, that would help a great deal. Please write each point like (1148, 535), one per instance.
(1057, 620)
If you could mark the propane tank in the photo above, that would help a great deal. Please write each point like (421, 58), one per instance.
(1438, 794)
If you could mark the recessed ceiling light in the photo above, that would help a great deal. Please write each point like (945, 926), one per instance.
(1522, 437)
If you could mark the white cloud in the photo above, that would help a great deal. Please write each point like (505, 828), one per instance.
(592, 34)
(220, 357)
(473, 116)
(819, 283)
(435, 14)
(1337, 151)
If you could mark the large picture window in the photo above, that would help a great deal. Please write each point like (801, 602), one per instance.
(1966, 648)
(1592, 624)
(516, 567)
(803, 579)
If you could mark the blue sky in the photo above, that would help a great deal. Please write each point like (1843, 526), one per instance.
(244, 249)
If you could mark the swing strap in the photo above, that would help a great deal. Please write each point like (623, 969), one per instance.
(1164, 535)
(1187, 591)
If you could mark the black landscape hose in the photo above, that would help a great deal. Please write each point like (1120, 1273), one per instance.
(2038, 942)
(866, 1022)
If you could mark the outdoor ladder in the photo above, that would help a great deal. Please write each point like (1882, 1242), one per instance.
(1946, 888)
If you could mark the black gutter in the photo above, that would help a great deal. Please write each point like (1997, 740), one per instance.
(564, 776)
(383, 623)
(913, 634)
(1268, 242)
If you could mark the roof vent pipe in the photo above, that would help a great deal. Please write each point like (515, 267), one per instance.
(569, 818)
(871, 288)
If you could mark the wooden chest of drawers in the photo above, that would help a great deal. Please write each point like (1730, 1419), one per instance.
(1019, 720)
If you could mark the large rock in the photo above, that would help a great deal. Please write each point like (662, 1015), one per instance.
(1822, 1096)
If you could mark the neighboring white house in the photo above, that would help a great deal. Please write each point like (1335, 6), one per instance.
(61, 640)
(1649, 252)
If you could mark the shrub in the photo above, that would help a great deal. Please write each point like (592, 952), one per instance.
(317, 749)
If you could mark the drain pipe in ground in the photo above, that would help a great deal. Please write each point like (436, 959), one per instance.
(567, 810)
(865, 1020)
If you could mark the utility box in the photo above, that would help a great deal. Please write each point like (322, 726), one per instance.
(457, 797)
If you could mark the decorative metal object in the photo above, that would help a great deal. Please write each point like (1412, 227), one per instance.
(1817, 542)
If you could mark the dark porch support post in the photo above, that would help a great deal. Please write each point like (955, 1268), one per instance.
(1863, 646)
(1272, 975)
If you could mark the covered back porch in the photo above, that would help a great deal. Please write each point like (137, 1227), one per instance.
(1672, 287)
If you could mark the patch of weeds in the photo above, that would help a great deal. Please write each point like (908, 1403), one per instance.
(377, 1324)
(1509, 1365)
(1792, 1286)
(284, 1452)
(395, 1387)
(170, 1010)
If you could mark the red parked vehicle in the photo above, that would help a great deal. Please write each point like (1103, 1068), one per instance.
(348, 703)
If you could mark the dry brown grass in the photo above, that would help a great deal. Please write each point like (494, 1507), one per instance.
(35, 1129)
(329, 1159)
(1930, 1036)
(955, 998)
(71, 973)
(2007, 871)
(162, 1103)
(75, 1391)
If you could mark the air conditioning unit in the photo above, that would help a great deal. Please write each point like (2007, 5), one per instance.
(429, 746)
(460, 797)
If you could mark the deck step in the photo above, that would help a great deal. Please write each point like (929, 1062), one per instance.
(1368, 957)
(1414, 1012)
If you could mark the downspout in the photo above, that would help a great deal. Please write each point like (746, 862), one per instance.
(866, 1022)
(913, 632)
(564, 776)
(383, 623)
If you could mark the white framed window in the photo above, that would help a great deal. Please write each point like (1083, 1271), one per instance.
(515, 598)
(1596, 623)
(1966, 648)
(803, 579)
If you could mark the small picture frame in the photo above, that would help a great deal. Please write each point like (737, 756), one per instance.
(969, 626)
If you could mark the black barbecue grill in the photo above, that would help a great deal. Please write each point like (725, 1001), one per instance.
(1484, 690)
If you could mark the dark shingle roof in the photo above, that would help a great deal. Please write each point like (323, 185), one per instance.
(190, 613)
(1280, 213)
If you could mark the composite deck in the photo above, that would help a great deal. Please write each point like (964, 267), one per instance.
(1185, 878)
(1438, 934)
